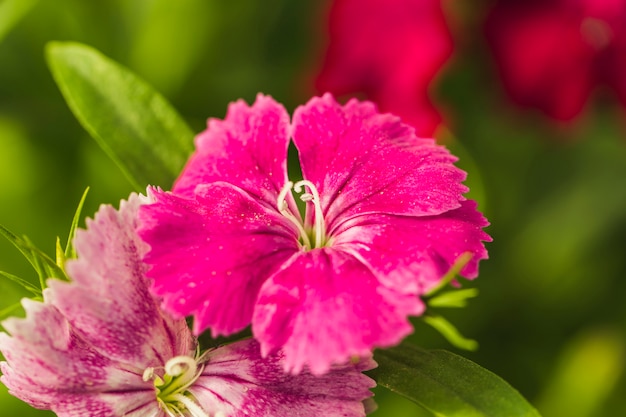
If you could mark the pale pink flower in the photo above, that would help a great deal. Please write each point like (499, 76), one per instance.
(100, 346)
(385, 219)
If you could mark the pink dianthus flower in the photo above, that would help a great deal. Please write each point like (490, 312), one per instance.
(385, 219)
(390, 50)
(100, 346)
(552, 54)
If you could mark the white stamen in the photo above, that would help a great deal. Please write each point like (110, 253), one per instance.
(313, 196)
(172, 389)
(148, 374)
(192, 407)
(180, 365)
(283, 207)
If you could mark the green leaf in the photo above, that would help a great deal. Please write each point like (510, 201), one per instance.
(133, 123)
(22, 283)
(69, 248)
(11, 12)
(447, 384)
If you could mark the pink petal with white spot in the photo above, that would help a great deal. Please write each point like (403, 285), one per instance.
(364, 162)
(247, 149)
(210, 255)
(324, 307)
(411, 254)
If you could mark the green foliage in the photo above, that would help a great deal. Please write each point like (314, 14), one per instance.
(453, 299)
(132, 123)
(69, 252)
(447, 385)
(41, 263)
(447, 330)
(554, 193)
(11, 11)
(22, 283)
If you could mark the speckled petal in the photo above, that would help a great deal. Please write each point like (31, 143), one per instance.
(325, 306)
(411, 254)
(247, 149)
(50, 366)
(365, 162)
(108, 302)
(211, 254)
(240, 383)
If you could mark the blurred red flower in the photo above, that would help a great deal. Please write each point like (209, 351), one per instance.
(390, 51)
(552, 54)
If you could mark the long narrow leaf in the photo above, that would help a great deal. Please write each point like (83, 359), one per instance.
(18, 243)
(132, 122)
(41, 263)
(8, 310)
(22, 283)
(448, 385)
(69, 248)
(45, 267)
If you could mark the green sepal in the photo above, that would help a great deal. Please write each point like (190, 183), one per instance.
(60, 254)
(453, 299)
(452, 273)
(446, 384)
(449, 332)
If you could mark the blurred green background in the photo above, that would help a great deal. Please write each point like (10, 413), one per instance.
(551, 316)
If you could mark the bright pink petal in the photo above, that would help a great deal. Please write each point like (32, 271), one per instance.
(365, 162)
(239, 383)
(390, 50)
(109, 276)
(247, 149)
(411, 255)
(50, 366)
(324, 307)
(211, 255)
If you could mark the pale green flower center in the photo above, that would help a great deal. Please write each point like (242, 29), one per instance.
(311, 236)
(172, 394)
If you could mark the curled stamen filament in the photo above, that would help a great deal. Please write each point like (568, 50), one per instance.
(283, 207)
(185, 370)
(313, 196)
(180, 373)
